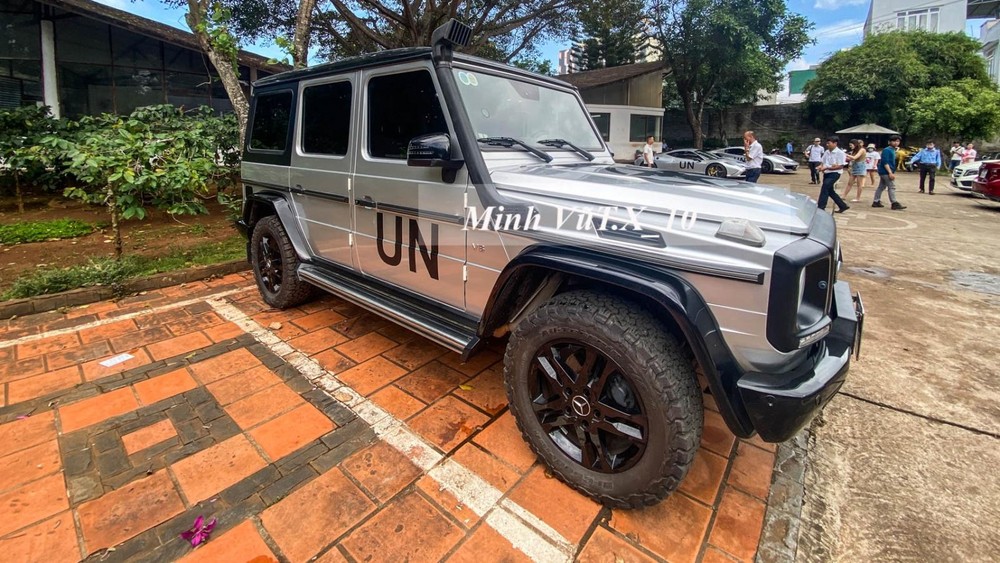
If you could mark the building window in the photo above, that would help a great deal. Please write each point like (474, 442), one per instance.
(326, 118)
(911, 20)
(603, 123)
(401, 107)
(270, 121)
(642, 126)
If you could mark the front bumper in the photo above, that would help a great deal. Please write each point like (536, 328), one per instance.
(779, 405)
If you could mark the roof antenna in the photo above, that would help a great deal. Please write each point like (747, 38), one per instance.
(453, 33)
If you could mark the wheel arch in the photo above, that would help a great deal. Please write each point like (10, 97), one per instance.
(671, 298)
(264, 203)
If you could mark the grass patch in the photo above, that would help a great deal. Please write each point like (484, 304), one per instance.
(38, 231)
(113, 273)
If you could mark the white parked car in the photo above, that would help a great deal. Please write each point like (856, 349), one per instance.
(773, 163)
(963, 174)
(697, 162)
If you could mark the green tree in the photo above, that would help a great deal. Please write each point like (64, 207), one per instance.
(725, 51)
(965, 110)
(20, 157)
(874, 81)
(612, 33)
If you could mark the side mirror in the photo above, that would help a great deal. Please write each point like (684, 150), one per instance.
(432, 150)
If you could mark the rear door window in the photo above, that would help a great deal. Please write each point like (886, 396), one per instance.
(271, 117)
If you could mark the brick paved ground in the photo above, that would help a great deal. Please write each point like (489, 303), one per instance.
(231, 411)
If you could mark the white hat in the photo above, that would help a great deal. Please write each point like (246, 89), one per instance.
(871, 145)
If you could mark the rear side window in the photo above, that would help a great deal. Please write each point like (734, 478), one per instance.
(270, 122)
(326, 118)
(401, 107)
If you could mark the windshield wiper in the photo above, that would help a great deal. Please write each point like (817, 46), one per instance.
(511, 141)
(560, 143)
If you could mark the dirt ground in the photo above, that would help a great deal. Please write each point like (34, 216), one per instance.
(157, 235)
(902, 463)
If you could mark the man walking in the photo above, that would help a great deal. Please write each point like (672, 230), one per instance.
(956, 155)
(754, 154)
(789, 149)
(831, 164)
(814, 156)
(647, 153)
(887, 175)
(928, 159)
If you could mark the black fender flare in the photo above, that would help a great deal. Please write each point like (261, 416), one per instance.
(672, 293)
(283, 209)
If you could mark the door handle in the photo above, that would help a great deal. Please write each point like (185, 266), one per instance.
(366, 201)
(298, 188)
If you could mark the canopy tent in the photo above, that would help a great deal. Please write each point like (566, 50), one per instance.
(867, 129)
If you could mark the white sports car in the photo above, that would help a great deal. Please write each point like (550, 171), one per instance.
(697, 162)
(773, 163)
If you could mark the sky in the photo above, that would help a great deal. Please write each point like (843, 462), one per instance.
(837, 25)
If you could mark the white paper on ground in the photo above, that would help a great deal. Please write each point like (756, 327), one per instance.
(120, 358)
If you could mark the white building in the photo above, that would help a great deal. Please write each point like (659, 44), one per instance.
(567, 61)
(939, 16)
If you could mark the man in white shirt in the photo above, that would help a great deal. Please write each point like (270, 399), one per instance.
(647, 153)
(832, 165)
(956, 155)
(814, 155)
(755, 156)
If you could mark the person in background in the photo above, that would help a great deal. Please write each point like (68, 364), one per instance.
(956, 155)
(814, 156)
(887, 175)
(871, 164)
(970, 154)
(647, 153)
(789, 149)
(928, 160)
(754, 154)
(831, 165)
(856, 156)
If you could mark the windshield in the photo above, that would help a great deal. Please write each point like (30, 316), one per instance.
(503, 107)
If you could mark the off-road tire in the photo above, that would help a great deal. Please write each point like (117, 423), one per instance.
(656, 367)
(292, 291)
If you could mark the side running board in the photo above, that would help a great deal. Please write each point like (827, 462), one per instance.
(453, 332)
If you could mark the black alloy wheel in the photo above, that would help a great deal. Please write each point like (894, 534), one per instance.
(275, 265)
(269, 259)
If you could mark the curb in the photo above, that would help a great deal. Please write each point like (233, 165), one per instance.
(779, 541)
(85, 295)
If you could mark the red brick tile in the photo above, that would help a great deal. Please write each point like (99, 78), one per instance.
(33, 502)
(673, 529)
(757, 441)
(312, 517)
(159, 318)
(431, 382)
(214, 369)
(398, 333)
(503, 439)
(52, 541)
(447, 423)
(237, 386)
(108, 331)
(486, 544)
(333, 362)
(217, 467)
(567, 511)
(47, 345)
(716, 436)
(491, 469)
(292, 430)
(382, 470)
(447, 502)
(242, 543)
(321, 319)
(486, 390)
(148, 436)
(140, 338)
(476, 364)
(361, 324)
(738, 524)
(29, 464)
(97, 409)
(373, 374)
(317, 341)
(365, 347)
(193, 323)
(77, 355)
(18, 435)
(716, 555)
(397, 402)
(94, 370)
(263, 405)
(12, 371)
(163, 386)
(605, 546)
(224, 331)
(415, 353)
(125, 512)
(752, 470)
(33, 387)
(178, 346)
(271, 316)
(705, 477)
(332, 555)
(409, 529)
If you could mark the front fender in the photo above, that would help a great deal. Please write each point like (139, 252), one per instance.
(266, 202)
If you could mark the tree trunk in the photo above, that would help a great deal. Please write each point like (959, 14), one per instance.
(225, 63)
(116, 228)
(17, 192)
(693, 111)
(303, 27)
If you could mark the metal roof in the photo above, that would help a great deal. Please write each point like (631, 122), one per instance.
(609, 75)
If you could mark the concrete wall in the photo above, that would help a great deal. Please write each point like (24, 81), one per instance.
(642, 91)
(771, 123)
(882, 14)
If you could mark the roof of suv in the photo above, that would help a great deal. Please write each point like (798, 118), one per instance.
(393, 56)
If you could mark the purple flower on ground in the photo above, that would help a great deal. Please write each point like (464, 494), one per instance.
(200, 532)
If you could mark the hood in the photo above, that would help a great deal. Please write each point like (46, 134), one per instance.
(659, 191)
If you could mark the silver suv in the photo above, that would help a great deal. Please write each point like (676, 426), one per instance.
(471, 201)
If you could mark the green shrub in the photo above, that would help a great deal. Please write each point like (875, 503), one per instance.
(37, 231)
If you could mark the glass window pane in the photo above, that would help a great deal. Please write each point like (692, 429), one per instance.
(84, 89)
(270, 121)
(19, 37)
(79, 40)
(934, 22)
(603, 123)
(401, 107)
(326, 118)
(137, 88)
(188, 90)
(18, 6)
(134, 50)
(183, 60)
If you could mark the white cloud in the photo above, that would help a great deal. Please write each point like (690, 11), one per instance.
(798, 64)
(837, 4)
(843, 28)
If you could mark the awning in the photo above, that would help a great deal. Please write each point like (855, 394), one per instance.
(868, 129)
